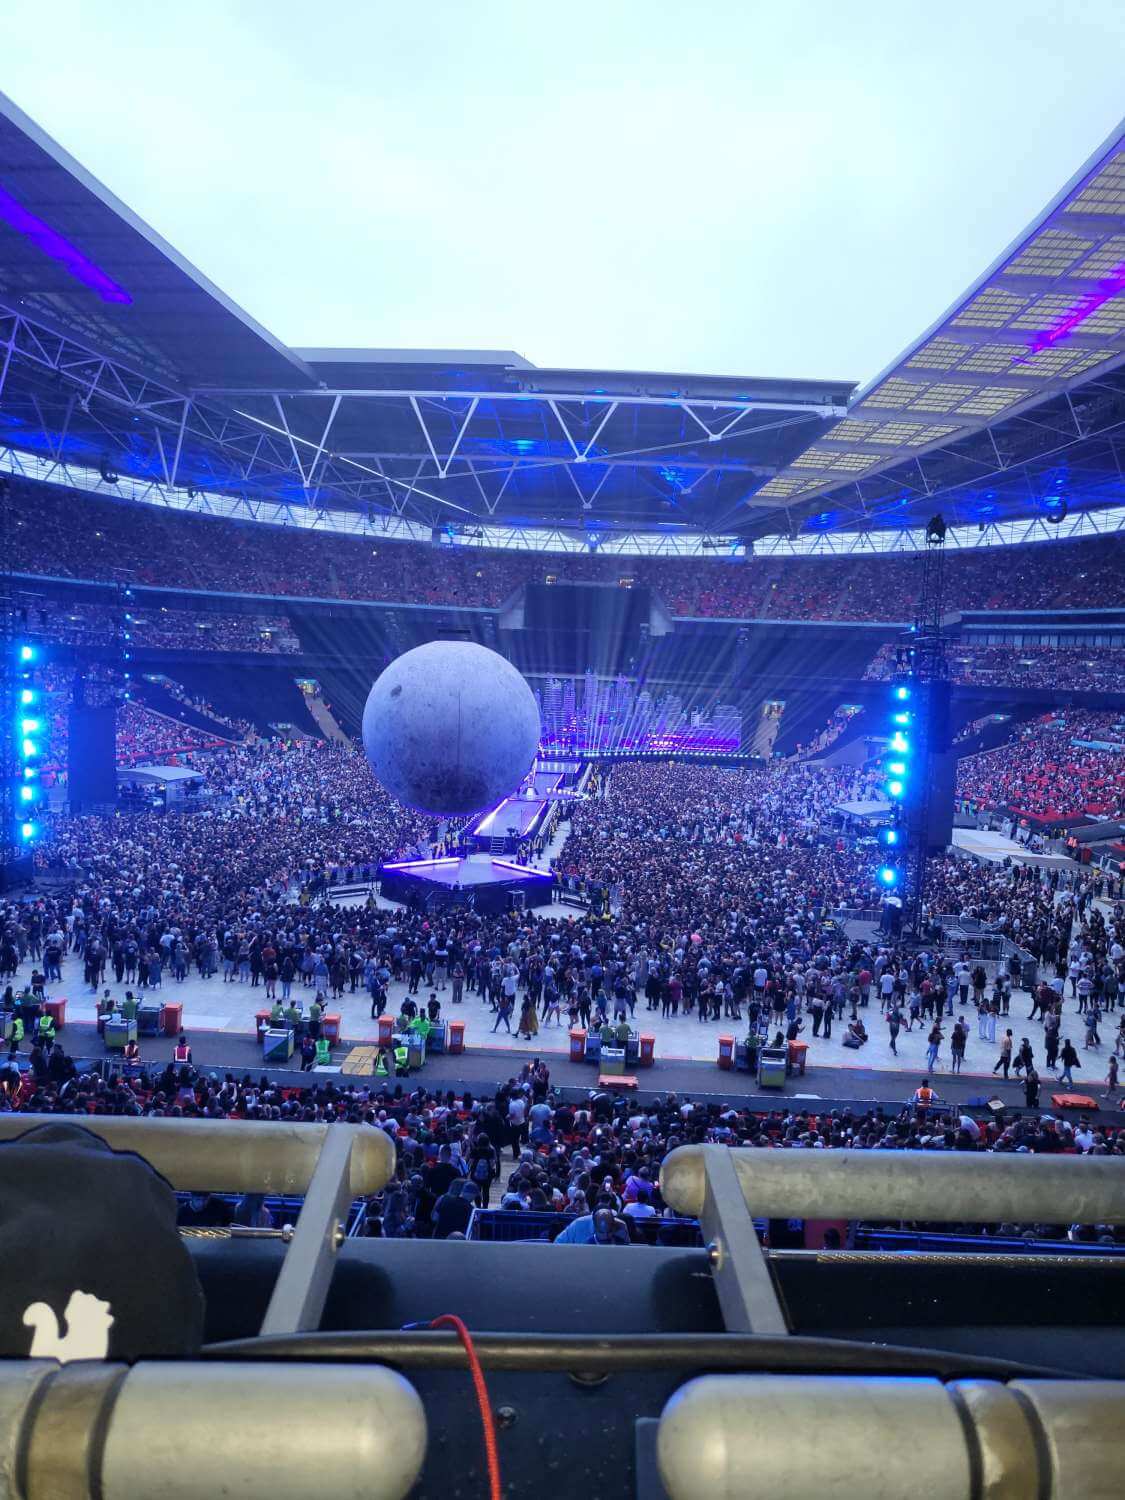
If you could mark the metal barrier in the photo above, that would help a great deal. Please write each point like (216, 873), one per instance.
(174, 1431)
(886, 1438)
(723, 1186)
(509, 1226)
(919, 1241)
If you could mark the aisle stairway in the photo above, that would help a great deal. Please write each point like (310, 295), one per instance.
(323, 716)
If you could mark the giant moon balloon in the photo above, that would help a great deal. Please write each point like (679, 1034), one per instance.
(450, 728)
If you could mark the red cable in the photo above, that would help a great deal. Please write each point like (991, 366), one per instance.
(491, 1451)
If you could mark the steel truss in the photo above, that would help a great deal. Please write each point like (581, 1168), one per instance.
(209, 439)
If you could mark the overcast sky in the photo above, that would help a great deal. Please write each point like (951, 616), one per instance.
(789, 189)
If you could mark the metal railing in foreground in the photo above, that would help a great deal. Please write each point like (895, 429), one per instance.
(724, 1187)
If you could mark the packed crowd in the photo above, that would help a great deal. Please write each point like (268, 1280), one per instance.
(143, 735)
(148, 738)
(79, 623)
(1051, 768)
(711, 889)
(591, 1163)
(1076, 668)
(98, 538)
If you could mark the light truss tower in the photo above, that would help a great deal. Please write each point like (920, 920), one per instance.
(929, 678)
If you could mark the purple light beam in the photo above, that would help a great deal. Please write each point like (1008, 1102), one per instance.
(1063, 327)
(52, 243)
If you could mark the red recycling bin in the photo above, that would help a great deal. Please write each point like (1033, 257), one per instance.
(577, 1044)
(56, 1009)
(173, 1018)
(798, 1051)
(261, 1022)
(456, 1036)
(330, 1028)
(387, 1031)
(726, 1052)
(646, 1050)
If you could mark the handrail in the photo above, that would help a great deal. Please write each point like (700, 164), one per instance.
(234, 1156)
(935, 1185)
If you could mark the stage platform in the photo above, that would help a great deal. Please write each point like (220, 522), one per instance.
(995, 848)
(480, 881)
(518, 817)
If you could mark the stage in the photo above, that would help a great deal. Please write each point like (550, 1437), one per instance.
(995, 848)
(479, 882)
(519, 816)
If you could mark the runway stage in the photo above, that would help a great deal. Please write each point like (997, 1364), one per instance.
(481, 882)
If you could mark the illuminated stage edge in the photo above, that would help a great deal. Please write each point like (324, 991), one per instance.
(478, 882)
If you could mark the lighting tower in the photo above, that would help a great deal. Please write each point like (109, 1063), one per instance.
(919, 733)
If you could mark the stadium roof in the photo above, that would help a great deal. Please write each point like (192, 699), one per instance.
(116, 353)
(76, 256)
(1046, 317)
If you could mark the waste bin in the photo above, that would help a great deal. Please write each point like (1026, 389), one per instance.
(593, 1052)
(173, 1018)
(330, 1027)
(798, 1051)
(646, 1050)
(771, 1067)
(613, 1061)
(415, 1051)
(456, 1036)
(277, 1044)
(148, 1020)
(56, 1009)
(386, 1030)
(726, 1052)
(1029, 974)
(577, 1044)
(631, 1050)
(435, 1043)
(261, 1023)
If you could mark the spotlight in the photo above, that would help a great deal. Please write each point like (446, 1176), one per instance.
(108, 472)
(935, 531)
(899, 743)
(895, 788)
(27, 793)
(27, 696)
(888, 875)
(29, 749)
(1057, 510)
(27, 830)
(27, 653)
(889, 836)
(902, 692)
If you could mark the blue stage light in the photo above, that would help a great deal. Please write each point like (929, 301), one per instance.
(889, 836)
(29, 726)
(888, 875)
(29, 749)
(895, 788)
(27, 830)
(27, 793)
(900, 744)
(896, 767)
(900, 718)
(902, 692)
(27, 653)
(27, 696)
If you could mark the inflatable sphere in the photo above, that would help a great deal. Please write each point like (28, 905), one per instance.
(450, 728)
